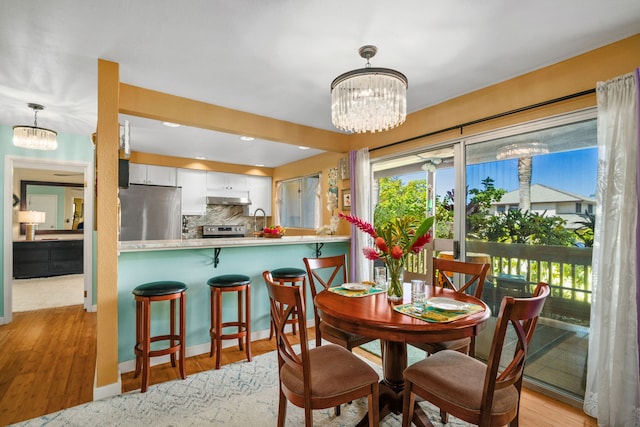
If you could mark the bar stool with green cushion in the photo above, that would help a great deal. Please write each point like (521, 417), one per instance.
(295, 277)
(144, 295)
(230, 283)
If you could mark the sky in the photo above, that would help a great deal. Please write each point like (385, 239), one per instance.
(572, 171)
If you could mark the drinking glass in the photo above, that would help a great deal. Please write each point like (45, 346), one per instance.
(418, 295)
(381, 277)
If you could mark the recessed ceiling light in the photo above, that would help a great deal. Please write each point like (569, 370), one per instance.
(259, 165)
(171, 125)
(201, 158)
(303, 147)
(247, 138)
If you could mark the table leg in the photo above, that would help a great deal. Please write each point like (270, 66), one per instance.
(394, 362)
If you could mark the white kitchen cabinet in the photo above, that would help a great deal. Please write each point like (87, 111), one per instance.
(222, 181)
(152, 174)
(260, 193)
(193, 183)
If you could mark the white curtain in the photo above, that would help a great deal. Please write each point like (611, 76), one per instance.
(317, 215)
(360, 207)
(277, 209)
(613, 379)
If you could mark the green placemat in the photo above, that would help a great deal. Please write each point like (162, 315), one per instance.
(432, 314)
(351, 294)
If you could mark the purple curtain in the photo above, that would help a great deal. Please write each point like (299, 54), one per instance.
(354, 230)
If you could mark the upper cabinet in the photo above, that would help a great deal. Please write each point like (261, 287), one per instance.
(193, 183)
(260, 193)
(152, 174)
(227, 182)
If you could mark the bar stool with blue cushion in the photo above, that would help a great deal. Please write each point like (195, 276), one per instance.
(144, 295)
(294, 276)
(230, 283)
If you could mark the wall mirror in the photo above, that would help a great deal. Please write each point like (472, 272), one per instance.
(63, 203)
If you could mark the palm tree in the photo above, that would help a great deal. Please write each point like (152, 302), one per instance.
(524, 177)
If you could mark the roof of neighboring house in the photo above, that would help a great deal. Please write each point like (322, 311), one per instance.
(543, 194)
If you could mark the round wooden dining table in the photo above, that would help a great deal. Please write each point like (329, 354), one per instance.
(373, 316)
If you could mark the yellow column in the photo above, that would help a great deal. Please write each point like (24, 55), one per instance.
(107, 145)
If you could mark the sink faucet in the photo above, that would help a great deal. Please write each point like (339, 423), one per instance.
(255, 219)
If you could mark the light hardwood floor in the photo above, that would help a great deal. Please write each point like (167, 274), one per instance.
(47, 363)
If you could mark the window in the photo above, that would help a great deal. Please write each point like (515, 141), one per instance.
(300, 202)
(578, 207)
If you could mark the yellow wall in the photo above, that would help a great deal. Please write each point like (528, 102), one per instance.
(561, 79)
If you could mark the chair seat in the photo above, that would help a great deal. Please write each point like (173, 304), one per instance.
(288, 273)
(229, 280)
(340, 337)
(435, 375)
(161, 288)
(334, 371)
(434, 347)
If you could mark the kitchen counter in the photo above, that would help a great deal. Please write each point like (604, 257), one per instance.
(156, 245)
(193, 262)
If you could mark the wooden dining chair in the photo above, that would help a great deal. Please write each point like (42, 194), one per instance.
(474, 276)
(479, 393)
(317, 378)
(333, 267)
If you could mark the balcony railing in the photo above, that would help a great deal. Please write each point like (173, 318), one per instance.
(519, 267)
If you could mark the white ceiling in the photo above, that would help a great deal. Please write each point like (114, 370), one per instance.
(276, 58)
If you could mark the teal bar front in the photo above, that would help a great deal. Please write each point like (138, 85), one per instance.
(194, 267)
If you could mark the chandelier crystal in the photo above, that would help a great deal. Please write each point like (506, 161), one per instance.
(518, 150)
(33, 137)
(369, 99)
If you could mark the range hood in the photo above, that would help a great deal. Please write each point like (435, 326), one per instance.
(228, 201)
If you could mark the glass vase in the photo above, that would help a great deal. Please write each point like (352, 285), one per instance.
(395, 269)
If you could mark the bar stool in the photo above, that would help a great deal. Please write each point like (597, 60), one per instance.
(144, 295)
(230, 283)
(296, 277)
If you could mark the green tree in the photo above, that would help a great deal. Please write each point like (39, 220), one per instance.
(585, 233)
(398, 200)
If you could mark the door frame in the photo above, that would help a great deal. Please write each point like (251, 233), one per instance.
(13, 162)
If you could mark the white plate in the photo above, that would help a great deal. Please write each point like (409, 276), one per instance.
(355, 286)
(447, 304)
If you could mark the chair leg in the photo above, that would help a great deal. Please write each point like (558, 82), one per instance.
(146, 344)
(172, 329)
(444, 417)
(282, 409)
(374, 410)
(240, 294)
(183, 334)
(336, 410)
(247, 303)
(408, 402)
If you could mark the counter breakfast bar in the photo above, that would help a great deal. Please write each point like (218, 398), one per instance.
(194, 261)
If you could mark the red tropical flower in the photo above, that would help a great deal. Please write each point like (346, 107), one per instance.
(397, 252)
(381, 244)
(370, 254)
(362, 225)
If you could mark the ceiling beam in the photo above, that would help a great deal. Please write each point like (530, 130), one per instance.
(150, 104)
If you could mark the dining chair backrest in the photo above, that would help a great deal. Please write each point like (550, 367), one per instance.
(473, 273)
(522, 314)
(285, 302)
(335, 267)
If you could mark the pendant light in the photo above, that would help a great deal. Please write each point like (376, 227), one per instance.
(33, 137)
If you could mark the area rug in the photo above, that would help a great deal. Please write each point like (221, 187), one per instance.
(413, 354)
(240, 394)
(48, 292)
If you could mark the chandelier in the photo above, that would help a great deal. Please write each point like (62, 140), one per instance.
(525, 149)
(369, 99)
(34, 137)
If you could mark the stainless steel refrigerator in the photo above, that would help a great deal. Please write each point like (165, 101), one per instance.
(150, 212)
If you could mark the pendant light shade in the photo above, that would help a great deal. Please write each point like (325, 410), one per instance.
(34, 137)
(369, 99)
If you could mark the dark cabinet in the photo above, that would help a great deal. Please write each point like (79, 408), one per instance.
(46, 258)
